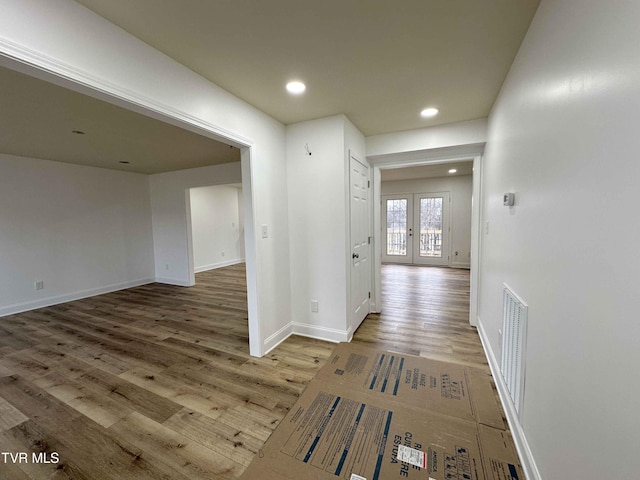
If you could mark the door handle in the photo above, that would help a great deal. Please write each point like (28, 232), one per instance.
(355, 255)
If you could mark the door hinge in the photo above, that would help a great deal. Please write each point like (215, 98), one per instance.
(369, 240)
(368, 183)
(369, 294)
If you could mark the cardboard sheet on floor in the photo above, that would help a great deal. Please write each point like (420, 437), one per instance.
(335, 432)
(447, 388)
(375, 415)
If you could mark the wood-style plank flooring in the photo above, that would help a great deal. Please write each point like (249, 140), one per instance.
(425, 312)
(156, 381)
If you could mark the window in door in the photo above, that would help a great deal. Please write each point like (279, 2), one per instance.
(431, 227)
(397, 226)
(416, 228)
(397, 218)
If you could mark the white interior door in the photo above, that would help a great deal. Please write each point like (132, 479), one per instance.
(431, 228)
(397, 221)
(360, 248)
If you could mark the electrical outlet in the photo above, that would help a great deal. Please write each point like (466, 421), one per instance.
(265, 231)
(39, 285)
(166, 266)
(314, 306)
(222, 254)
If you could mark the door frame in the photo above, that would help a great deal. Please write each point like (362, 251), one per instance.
(428, 157)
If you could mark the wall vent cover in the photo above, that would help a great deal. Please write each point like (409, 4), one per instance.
(514, 331)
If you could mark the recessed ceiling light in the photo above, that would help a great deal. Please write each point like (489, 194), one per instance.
(77, 132)
(429, 112)
(453, 170)
(296, 87)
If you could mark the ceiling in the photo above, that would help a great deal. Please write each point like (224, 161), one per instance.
(38, 119)
(427, 171)
(379, 62)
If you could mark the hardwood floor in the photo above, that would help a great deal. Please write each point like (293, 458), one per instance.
(157, 382)
(425, 312)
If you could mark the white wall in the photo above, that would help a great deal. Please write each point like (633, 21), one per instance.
(563, 135)
(217, 234)
(80, 230)
(318, 213)
(460, 193)
(317, 220)
(48, 33)
(473, 132)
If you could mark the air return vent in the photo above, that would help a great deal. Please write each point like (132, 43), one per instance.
(514, 331)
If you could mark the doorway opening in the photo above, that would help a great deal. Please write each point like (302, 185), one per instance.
(398, 175)
(217, 255)
(217, 227)
(170, 247)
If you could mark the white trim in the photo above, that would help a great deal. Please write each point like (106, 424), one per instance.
(476, 239)
(431, 156)
(522, 446)
(58, 299)
(213, 266)
(376, 265)
(277, 338)
(256, 342)
(322, 333)
(92, 85)
(179, 282)
(460, 265)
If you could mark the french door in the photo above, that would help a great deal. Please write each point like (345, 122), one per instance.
(416, 228)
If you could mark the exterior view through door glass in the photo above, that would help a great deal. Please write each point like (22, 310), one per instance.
(397, 240)
(416, 228)
(432, 228)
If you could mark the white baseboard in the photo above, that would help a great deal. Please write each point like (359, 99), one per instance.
(522, 446)
(57, 299)
(173, 281)
(277, 338)
(461, 265)
(322, 333)
(213, 266)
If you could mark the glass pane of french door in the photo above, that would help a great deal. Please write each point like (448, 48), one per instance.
(397, 210)
(431, 227)
(397, 227)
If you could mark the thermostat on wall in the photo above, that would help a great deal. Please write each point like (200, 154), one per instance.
(509, 199)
